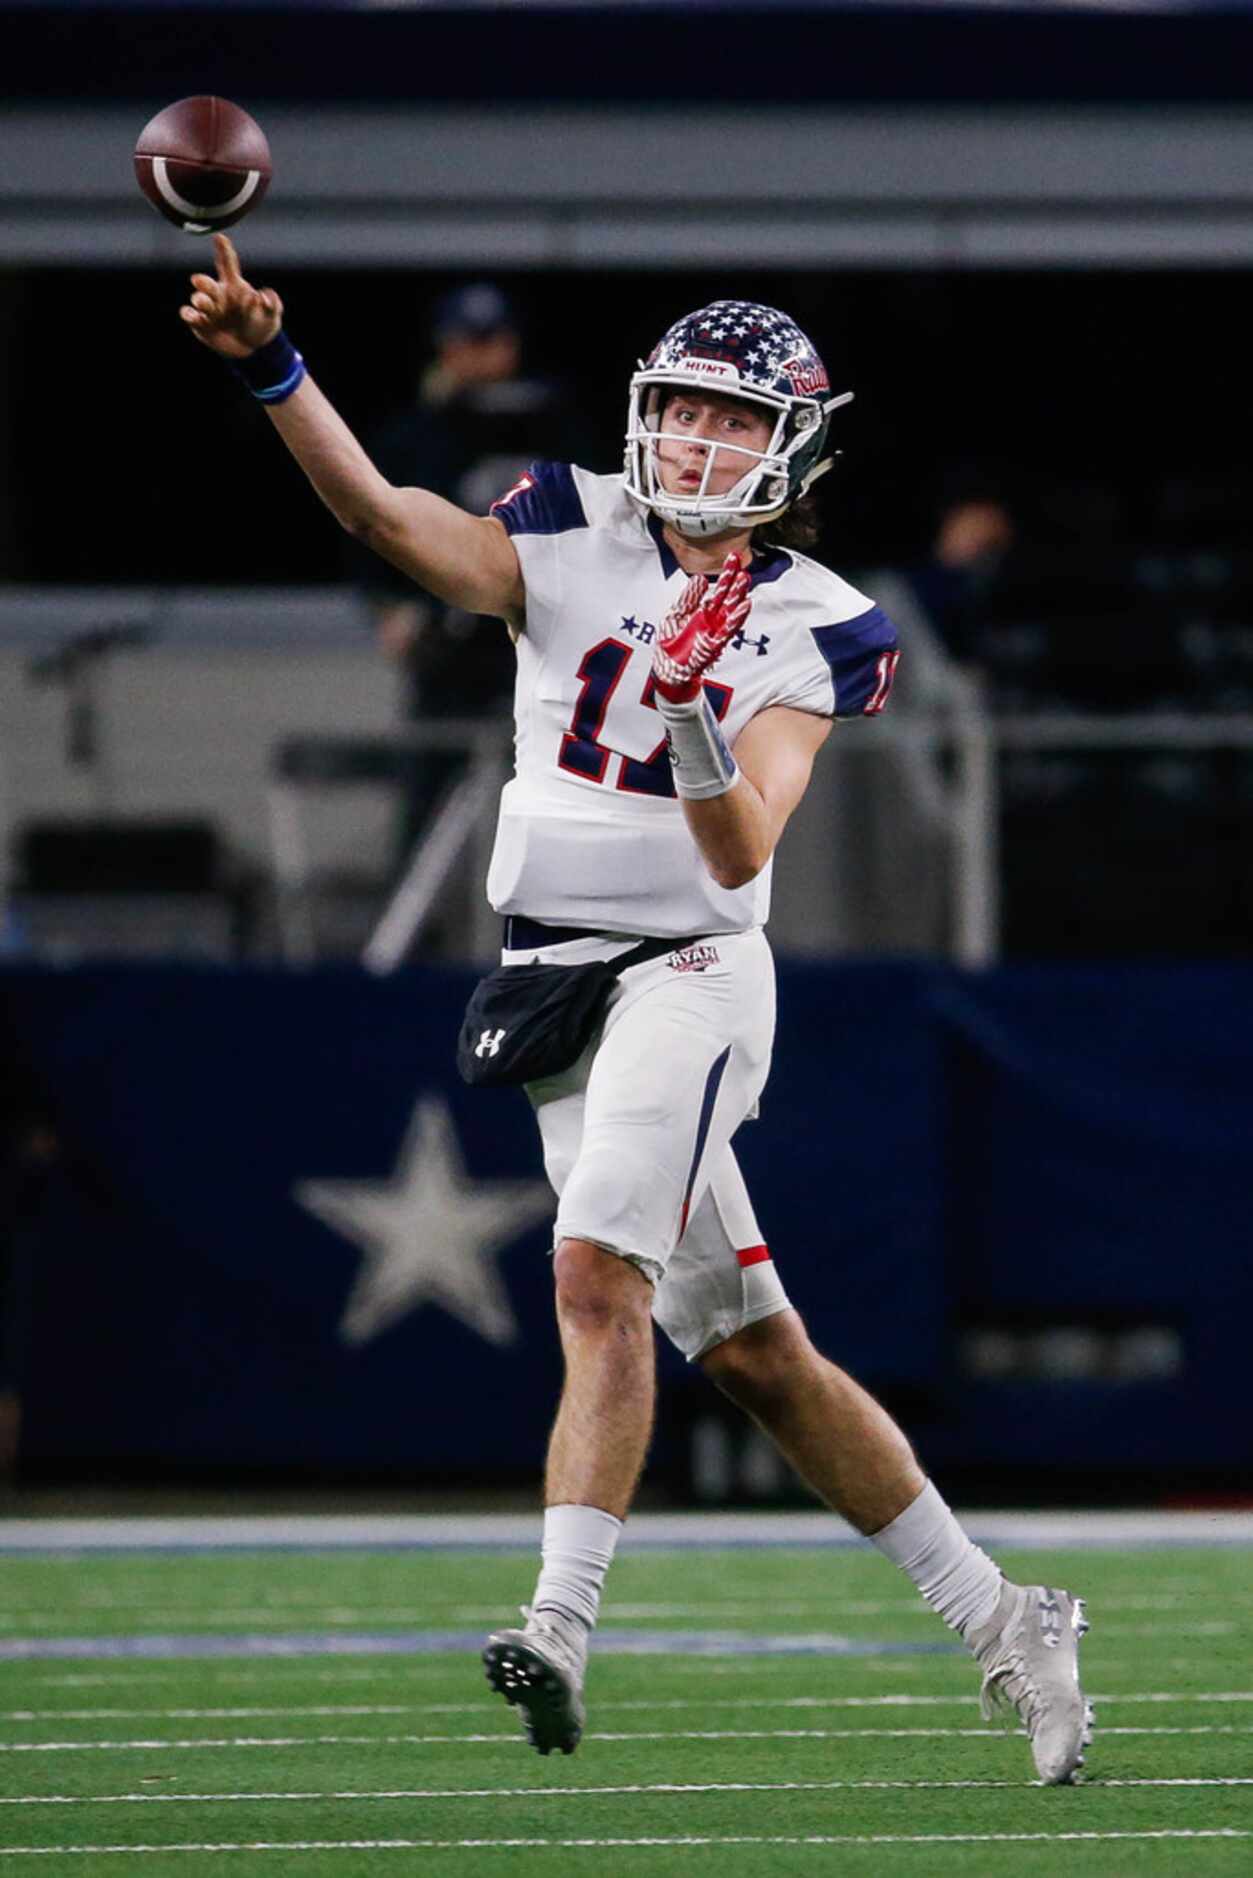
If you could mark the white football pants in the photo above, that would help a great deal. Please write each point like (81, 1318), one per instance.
(637, 1132)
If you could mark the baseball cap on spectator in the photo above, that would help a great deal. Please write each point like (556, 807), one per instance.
(474, 312)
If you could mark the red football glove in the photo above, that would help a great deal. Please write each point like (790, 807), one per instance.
(695, 631)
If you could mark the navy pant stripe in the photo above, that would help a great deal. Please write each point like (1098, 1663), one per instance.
(712, 1084)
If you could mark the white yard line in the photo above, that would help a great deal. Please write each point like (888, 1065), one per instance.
(418, 1671)
(1208, 1627)
(1117, 1620)
(490, 1845)
(502, 1739)
(582, 1793)
(222, 1714)
(669, 1704)
(33, 1644)
(276, 1671)
(270, 1616)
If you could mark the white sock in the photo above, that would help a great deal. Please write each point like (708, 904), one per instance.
(958, 1580)
(578, 1550)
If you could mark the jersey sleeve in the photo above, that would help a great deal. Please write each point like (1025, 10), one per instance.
(859, 660)
(544, 501)
(541, 512)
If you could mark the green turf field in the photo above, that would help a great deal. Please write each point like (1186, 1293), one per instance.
(725, 1763)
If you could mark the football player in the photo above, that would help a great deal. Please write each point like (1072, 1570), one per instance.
(679, 664)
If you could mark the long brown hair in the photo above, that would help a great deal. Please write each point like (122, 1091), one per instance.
(798, 527)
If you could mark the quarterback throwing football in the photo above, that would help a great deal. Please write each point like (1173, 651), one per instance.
(680, 664)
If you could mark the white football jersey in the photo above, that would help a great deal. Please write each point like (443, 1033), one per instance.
(591, 833)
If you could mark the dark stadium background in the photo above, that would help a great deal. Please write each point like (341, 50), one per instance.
(1094, 399)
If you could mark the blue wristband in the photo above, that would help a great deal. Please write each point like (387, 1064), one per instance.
(273, 371)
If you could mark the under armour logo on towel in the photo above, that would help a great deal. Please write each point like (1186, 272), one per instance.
(489, 1043)
(1050, 1620)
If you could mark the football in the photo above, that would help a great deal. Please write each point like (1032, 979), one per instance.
(203, 162)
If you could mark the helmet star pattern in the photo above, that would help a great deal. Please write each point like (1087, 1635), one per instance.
(768, 350)
(741, 349)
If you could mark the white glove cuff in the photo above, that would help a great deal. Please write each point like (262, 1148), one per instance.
(701, 762)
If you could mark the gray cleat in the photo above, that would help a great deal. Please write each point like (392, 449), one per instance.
(1029, 1653)
(540, 1669)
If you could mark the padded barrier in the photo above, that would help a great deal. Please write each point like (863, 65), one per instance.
(939, 1155)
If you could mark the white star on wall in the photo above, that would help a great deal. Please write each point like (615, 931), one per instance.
(429, 1234)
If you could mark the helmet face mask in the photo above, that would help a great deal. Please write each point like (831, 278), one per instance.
(756, 356)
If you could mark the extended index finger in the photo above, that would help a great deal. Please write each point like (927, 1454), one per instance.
(227, 259)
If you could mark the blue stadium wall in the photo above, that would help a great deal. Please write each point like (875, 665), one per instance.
(941, 1157)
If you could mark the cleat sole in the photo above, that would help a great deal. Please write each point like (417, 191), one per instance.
(527, 1682)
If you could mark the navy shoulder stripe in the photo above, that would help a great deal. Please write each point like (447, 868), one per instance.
(862, 656)
(543, 502)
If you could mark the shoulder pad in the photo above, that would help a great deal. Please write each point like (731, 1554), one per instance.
(543, 502)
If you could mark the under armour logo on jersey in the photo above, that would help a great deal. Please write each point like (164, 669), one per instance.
(489, 1043)
(740, 640)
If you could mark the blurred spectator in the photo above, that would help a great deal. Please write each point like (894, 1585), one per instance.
(474, 425)
(975, 530)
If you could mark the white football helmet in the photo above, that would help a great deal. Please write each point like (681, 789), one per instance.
(744, 351)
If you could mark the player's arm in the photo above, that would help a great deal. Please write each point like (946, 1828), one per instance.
(736, 806)
(738, 831)
(467, 560)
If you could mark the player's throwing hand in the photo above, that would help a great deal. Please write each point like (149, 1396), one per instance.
(696, 630)
(227, 314)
